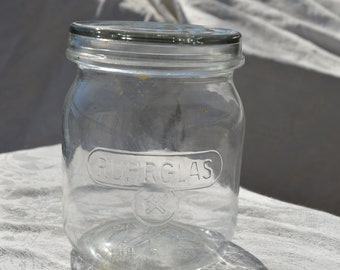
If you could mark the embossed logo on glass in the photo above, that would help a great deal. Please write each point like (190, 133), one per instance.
(156, 176)
(177, 171)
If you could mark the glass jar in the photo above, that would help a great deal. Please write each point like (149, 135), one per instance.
(153, 131)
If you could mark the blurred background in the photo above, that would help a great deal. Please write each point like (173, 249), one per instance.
(290, 84)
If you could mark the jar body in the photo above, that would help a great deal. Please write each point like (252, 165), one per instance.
(153, 167)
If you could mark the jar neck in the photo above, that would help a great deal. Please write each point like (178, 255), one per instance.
(157, 59)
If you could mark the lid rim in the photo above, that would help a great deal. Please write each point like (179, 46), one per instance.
(175, 34)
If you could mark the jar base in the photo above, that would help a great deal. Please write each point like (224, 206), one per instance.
(229, 256)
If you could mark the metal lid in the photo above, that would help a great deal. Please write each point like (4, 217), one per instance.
(153, 32)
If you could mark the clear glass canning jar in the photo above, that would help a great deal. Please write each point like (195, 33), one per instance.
(153, 130)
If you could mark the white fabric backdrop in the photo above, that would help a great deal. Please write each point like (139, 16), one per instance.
(304, 33)
(283, 236)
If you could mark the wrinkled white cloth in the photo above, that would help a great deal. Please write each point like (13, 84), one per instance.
(302, 33)
(282, 235)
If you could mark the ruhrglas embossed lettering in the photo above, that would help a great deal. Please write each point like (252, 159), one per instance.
(175, 170)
